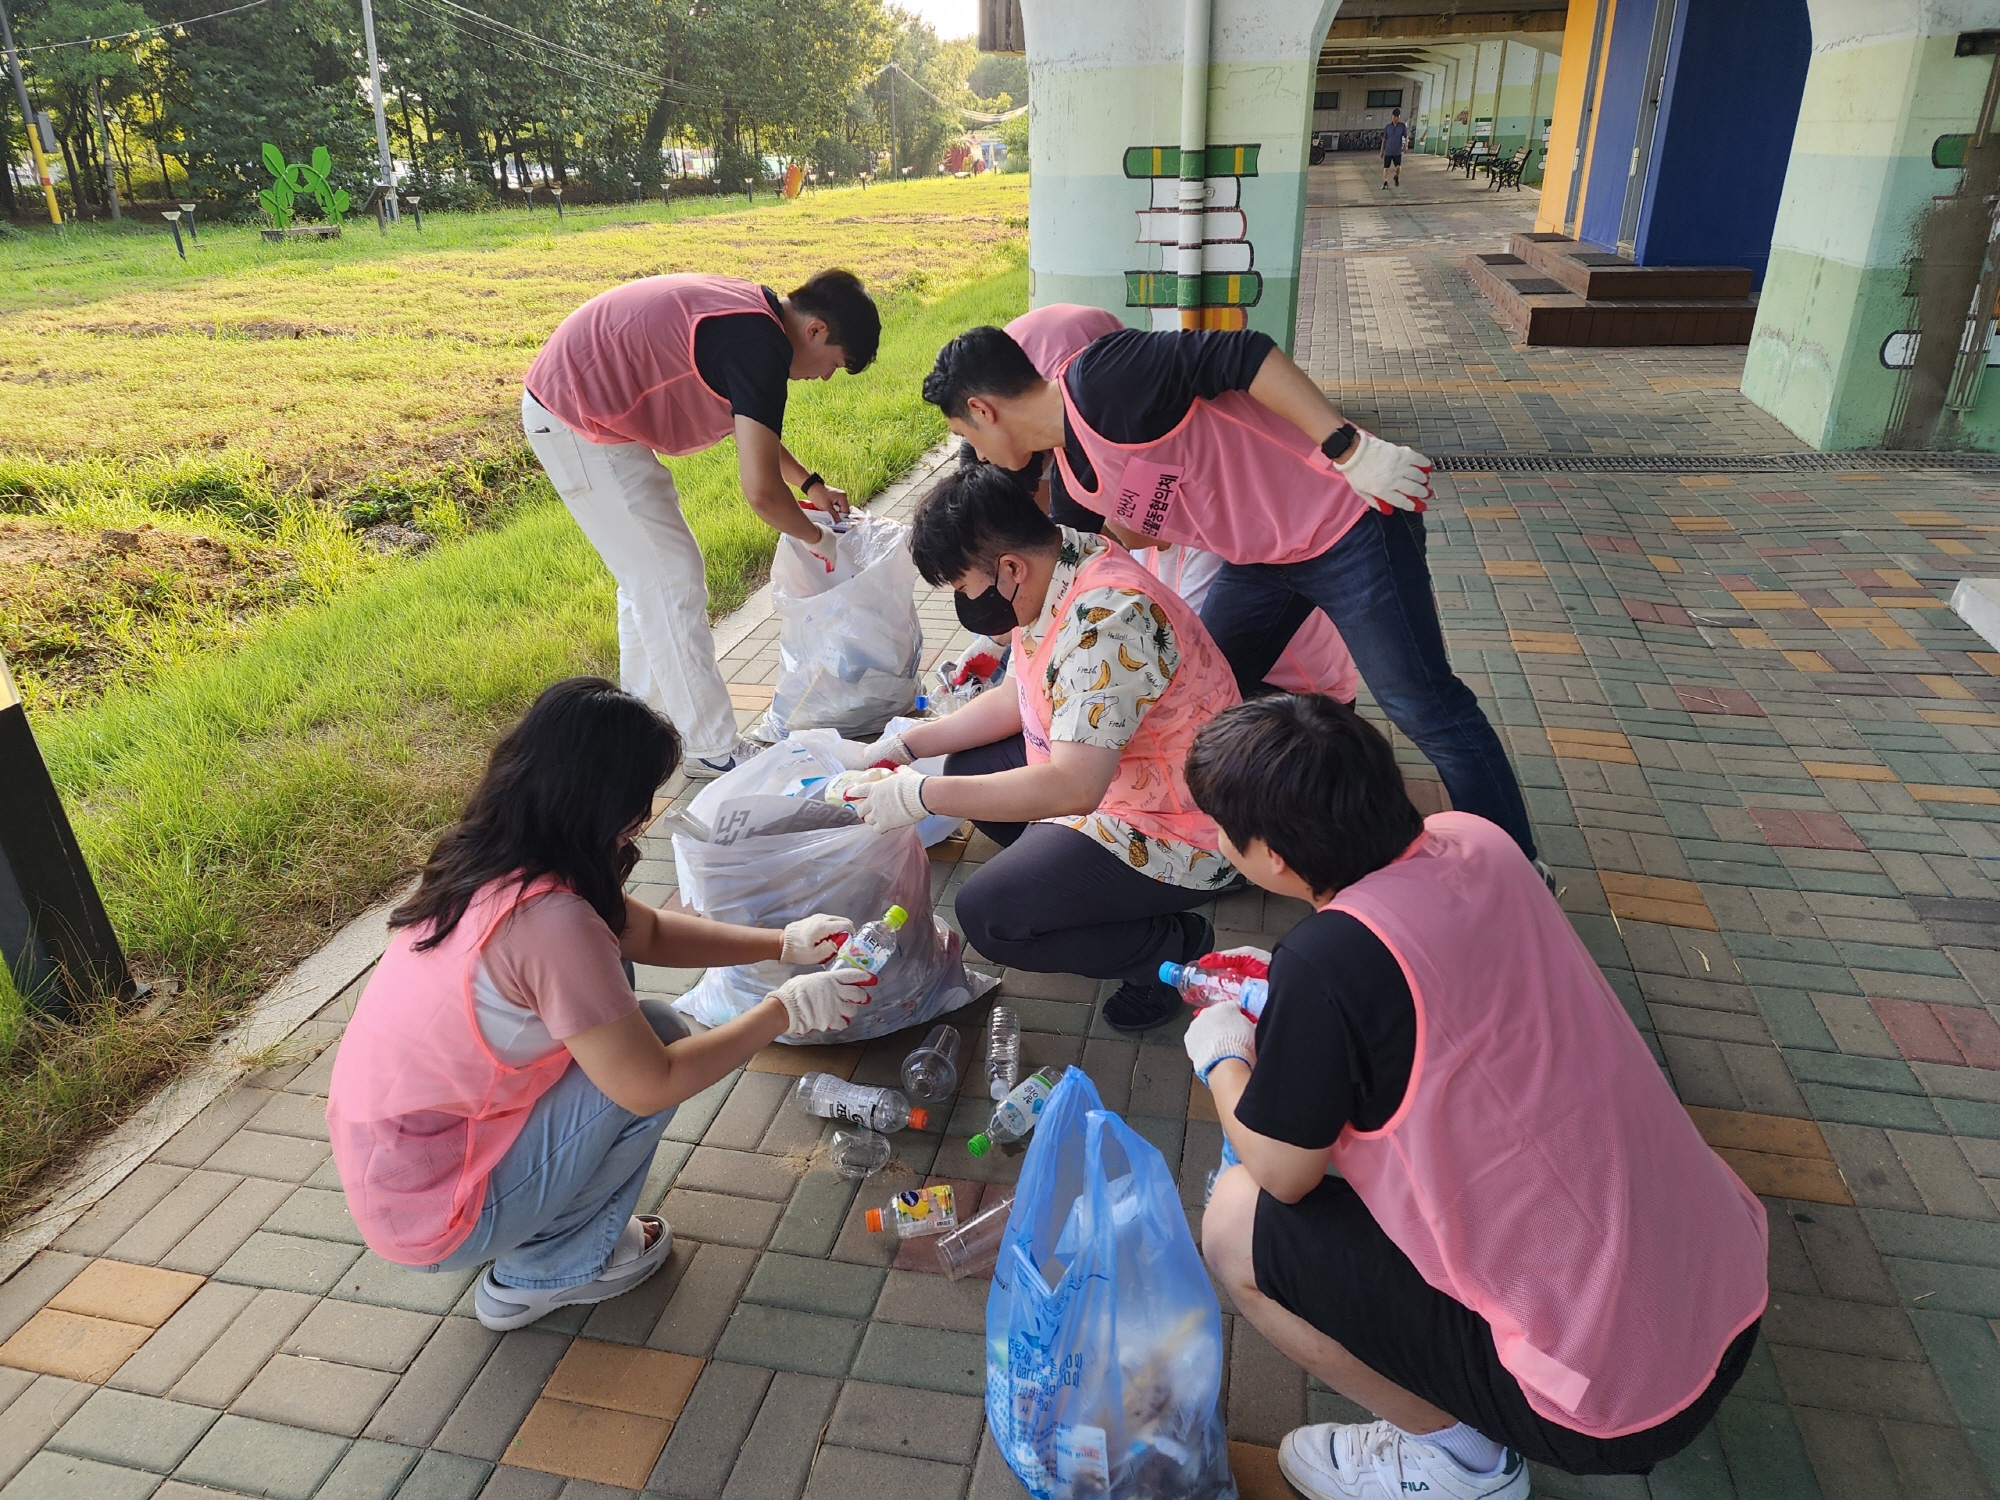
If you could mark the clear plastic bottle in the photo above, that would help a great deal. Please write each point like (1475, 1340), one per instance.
(931, 1072)
(973, 1247)
(835, 788)
(834, 1098)
(916, 1212)
(870, 949)
(1202, 988)
(858, 1153)
(1003, 1052)
(1015, 1116)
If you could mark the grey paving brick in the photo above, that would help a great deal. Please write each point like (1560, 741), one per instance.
(668, 1159)
(430, 1389)
(1943, 1176)
(991, 1478)
(817, 1286)
(12, 1383)
(492, 1408)
(28, 1290)
(314, 1213)
(168, 1219)
(221, 1231)
(291, 1113)
(262, 1458)
(445, 1476)
(784, 1339)
(692, 1119)
(242, 1349)
(1844, 1260)
(119, 1209)
(701, 1304)
(1934, 1460)
(354, 1333)
(744, 1117)
(202, 1136)
(742, 1174)
(165, 1357)
(702, 1448)
(1845, 1327)
(896, 1419)
(631, 1319)
(719, 1219)
(509, 1483)
(811, 1222)
(137, 1432)
(1964, 1354)
(1855, 1383)
(777, 1455)
(386, 1284)
(368, 1471)
(1267, 1392)
(317, 1077)
(928, 1358)
(793, 1132)
(61, 1476)
(926, 1300)
(33, 1416)
(289, 1263)
(1767, 1458)
(252, 1153)
(841, 1472)
(1871, 1167)
(315, 1393)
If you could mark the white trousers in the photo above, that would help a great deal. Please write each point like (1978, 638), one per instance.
(624, 499)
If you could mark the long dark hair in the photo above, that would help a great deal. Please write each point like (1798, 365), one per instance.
(562, 787)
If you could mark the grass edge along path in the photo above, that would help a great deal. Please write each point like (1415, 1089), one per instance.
(238, 813)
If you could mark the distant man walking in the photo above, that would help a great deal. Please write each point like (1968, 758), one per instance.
(668, 365)
(1393, 137)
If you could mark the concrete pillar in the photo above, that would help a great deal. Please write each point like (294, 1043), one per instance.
(1105, 91)
(1883, 85)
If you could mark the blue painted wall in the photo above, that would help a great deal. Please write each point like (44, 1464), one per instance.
(1617, 127)
(1735, 75)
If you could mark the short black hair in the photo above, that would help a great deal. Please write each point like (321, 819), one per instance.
(852, 324)
(969, 518)
(979, 362)
(1311, 778)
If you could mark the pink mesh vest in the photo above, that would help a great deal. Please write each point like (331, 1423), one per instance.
(620, 369)
(420, 1110)
(1051, 334)
(1150, 790)
(1539, 1169)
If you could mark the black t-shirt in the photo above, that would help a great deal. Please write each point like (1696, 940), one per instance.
(1337, 1038)
(746, 358)
(1134, 386)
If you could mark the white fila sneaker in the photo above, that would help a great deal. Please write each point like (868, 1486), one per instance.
(1379, 1461)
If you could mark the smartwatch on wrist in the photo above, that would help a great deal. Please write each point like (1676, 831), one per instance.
(805, 490)
(1340, 440)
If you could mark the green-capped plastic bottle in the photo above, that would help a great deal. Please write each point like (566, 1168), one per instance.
(870, 949)
(1015, 1116)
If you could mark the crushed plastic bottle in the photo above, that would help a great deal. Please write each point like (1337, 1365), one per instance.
(1003, 1052)
(1015, 1115)
(870, 949)
(973, 1247)
(1202, 988)
(931, 1072)
(835, 788)
(858, 1153)
(916, 1212)
(834, 1098)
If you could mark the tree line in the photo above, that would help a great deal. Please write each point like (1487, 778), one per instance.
(486, 98)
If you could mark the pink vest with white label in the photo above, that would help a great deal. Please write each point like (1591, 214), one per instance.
(620, 369)
(1050, 335)
(1539, 1169)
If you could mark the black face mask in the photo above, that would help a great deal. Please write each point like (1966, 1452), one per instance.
(990, 613)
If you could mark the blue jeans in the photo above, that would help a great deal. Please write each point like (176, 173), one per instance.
(562, 1194)
(1375, 585)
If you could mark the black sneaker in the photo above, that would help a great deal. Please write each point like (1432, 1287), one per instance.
(1140, 1005)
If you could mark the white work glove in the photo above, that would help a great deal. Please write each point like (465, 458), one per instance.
(814, 939)
(890, 748)
(824, 1000)
(1388, 475)
(1217, 1032)
(894, 802)
(824, 547)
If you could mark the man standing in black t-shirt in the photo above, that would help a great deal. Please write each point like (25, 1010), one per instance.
(1394, 135)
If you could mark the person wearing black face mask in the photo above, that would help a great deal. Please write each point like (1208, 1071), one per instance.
(1075, 766)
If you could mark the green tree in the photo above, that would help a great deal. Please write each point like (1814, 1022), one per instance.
(64, 74)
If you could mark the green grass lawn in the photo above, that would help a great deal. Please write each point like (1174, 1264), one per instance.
(240, 801)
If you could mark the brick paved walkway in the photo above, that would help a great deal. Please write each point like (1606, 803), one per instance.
(1762, 757)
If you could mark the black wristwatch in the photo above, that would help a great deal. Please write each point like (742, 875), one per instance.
(805, 490)
(1340, 440)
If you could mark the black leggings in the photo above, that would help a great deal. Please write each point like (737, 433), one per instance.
(1056, 901)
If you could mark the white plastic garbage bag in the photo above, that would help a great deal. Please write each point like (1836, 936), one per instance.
(748, 853)
(849, 643)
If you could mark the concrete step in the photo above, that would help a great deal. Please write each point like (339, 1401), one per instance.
(1540, 310)
(1598, 275)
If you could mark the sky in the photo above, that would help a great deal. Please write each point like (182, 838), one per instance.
(952, 18)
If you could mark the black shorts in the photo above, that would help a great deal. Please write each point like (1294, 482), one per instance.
(1327, 1260)
(1392, 161)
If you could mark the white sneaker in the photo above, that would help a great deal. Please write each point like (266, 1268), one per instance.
(699, 769)
(1379, 1461)
(504, 1308)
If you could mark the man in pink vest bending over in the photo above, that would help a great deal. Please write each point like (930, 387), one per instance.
(669, 365)
(1467, 1198)
(1218, 441)
(1074, 764)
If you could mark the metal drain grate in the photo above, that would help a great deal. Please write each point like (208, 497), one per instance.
(1869, 460)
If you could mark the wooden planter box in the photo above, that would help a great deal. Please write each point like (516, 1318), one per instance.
(301, 232)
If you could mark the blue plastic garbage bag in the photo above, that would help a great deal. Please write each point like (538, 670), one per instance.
(1103, 1335)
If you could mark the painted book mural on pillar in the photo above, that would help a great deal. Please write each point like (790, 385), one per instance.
(1230, 281)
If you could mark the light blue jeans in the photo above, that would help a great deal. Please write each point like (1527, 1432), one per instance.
(562, 1194)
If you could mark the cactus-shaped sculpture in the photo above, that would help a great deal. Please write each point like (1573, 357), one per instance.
(289, 179)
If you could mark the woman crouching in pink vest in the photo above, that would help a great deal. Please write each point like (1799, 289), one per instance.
(1467, 1197)
(499, 1092)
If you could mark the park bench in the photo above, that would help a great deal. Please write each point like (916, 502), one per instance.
(1457, 158)
(302, 232)
(1501, 173)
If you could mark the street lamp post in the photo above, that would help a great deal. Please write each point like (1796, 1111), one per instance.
(188, 210)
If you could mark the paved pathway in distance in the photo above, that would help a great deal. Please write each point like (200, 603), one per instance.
(1761, 755)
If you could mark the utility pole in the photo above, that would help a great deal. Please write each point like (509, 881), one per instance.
(388, 165)
(28, 118)
(104, 149)
(892, 123)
